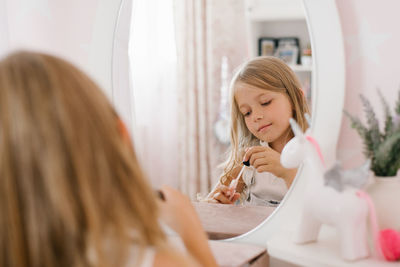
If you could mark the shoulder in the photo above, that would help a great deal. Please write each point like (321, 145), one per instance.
(165, 260)
(164, 256)
(169, 258)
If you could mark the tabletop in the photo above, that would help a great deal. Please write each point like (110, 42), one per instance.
(222, 221)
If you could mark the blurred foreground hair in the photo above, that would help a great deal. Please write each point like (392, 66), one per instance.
(71, 190)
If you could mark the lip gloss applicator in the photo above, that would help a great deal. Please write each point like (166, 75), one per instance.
(234, 182)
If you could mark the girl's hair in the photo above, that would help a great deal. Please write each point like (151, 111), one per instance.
(71, 190)
(269, 73)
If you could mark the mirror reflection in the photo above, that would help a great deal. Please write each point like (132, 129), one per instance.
(211, 115)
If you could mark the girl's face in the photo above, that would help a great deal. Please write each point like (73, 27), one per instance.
(266, 113)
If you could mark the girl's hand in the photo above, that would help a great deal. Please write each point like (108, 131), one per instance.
(178, 213)
(265, 159)
(223, 194)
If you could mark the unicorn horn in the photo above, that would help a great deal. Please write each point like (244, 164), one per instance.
(295, 127)
(308, 119)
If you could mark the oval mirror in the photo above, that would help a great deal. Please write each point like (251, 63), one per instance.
(171, 67)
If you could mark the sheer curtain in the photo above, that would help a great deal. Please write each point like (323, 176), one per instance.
(195, 120)
(170, 92)
(176, 51)
(206, 32)
(153, 63)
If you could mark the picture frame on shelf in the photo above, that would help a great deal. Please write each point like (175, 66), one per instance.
(267, 46)
(288, 50)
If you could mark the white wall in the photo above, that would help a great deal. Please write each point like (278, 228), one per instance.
(3, 28)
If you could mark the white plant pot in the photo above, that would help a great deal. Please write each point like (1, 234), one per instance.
(385, 193)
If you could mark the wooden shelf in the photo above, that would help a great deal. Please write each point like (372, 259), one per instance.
(276, 19)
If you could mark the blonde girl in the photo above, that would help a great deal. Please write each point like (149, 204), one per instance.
(265, 93)
(71, 190)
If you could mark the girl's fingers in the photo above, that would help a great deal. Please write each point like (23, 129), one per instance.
(264, 168)
(235, 197)
(254, 149)
(227, 191)
(223, 189)
(225, 195)
(260, 162)
(249, 152)
(218, 189)
(266, 156)
(258, 155)
(221, 198)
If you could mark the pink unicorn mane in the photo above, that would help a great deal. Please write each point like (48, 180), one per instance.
(317, 148)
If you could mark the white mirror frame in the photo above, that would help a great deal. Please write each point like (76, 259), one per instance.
(122, 93)
(327, 100)
(328, 78)
(112, 31)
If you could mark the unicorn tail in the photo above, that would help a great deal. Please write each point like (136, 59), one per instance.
(374, 223)
(386, 241)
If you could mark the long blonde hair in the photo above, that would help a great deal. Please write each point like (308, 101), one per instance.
(269, 73)
(71, 190)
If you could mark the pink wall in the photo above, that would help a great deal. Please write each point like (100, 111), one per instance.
(59, 27)
(80, 31)
(372, 42)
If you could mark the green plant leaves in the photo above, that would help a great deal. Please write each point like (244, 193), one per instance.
(387, 159)
(388, 116)
(373, 123)
(363, 132)
(382, 148)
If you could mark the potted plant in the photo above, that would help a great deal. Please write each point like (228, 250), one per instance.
(383, 148)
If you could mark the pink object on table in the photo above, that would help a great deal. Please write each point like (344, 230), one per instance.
(373, 220)
(389, 240)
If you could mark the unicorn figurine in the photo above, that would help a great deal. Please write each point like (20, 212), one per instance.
(324, 204)
(338, 178)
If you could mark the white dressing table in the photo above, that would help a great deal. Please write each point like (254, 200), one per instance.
(324, 252)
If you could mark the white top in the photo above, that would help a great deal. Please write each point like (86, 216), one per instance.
(263, 188)
(134, 254)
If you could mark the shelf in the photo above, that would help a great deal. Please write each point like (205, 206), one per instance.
(324, 252)
(260, 16)
(274, 10)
